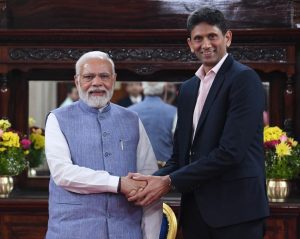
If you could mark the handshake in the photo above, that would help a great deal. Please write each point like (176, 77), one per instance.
(144, 189)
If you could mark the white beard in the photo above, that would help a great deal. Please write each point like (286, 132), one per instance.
(95, 101)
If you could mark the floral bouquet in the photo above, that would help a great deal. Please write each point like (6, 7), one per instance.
(37, 148)
(13, 149)
(282, 154)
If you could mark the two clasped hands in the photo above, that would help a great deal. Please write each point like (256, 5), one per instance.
(144, 189)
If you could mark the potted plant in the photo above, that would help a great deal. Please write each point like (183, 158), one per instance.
(282, 162)
(13, 149)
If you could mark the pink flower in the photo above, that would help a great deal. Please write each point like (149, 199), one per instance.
(25, 143)
(1, 132)
(283, 138)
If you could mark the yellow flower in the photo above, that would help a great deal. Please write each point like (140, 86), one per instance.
(283, 149)
(2, 149)
(4, 124)
(272, 133)
(26, 152)
(10, 139)
(37, 140)
(293, 142)
(37, 131)
(31, 122)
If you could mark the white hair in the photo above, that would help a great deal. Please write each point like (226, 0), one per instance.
(93, 55)
(153, 88)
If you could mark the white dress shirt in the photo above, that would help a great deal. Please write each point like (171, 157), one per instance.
(85, 180)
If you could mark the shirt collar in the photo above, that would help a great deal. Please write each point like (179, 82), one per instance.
(84, 106)
(201, 74)
(136, 99)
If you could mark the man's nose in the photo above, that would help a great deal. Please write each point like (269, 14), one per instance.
(97, 80)
(206, 43)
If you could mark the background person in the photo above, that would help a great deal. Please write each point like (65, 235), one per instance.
(158, 118)
(72, 96)
(135, 94)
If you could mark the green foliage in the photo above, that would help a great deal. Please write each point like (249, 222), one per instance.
(12, 161)
(286, 167)
(35, 157)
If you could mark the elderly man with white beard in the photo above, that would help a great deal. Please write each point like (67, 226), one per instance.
(91, 145)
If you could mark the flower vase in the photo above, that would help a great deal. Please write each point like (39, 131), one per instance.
(278, 189)
(6, 186)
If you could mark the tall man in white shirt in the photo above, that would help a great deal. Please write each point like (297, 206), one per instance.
(91, 145)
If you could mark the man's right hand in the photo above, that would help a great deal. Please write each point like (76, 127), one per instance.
(130, 187)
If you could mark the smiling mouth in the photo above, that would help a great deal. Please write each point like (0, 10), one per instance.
(97, 92)
(207, 53)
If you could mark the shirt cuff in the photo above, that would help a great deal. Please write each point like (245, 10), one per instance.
(113, 183)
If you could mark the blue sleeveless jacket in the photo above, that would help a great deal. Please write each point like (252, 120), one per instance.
(107, 141)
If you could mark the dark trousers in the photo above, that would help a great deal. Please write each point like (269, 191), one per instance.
(194, 227)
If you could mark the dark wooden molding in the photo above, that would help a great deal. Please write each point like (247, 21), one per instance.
(25, 215)
(149, 54)
(135, 36)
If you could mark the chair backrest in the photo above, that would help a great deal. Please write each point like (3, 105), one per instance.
(169, 223)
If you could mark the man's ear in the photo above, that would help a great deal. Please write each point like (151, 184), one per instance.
(76, 81)
(190, 44)
(228, 37)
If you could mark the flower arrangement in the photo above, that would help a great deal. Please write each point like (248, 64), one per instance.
(282, 154)
(37, 148)
(13, 149)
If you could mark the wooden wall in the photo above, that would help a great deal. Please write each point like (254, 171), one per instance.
(142, 14)
(147, 39)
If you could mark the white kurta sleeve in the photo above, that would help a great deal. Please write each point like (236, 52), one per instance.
(67, 175)
(147, 164)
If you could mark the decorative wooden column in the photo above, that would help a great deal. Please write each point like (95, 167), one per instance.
(4, 97)
(289, 102)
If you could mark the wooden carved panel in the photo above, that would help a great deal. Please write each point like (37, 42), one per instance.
(282, 227)
(146, 60)
(23, 226)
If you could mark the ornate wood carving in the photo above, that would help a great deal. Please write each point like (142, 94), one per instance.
(117, 54)
(4, 96)
(151, 54)
(289, 98)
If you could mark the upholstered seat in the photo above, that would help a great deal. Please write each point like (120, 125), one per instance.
(169, 223)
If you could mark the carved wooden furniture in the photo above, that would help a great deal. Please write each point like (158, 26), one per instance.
(283, 222)
(160, 55)
(147, 42)
(25, 215)
(140, 55)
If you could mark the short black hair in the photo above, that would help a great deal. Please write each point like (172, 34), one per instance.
(210, 16)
